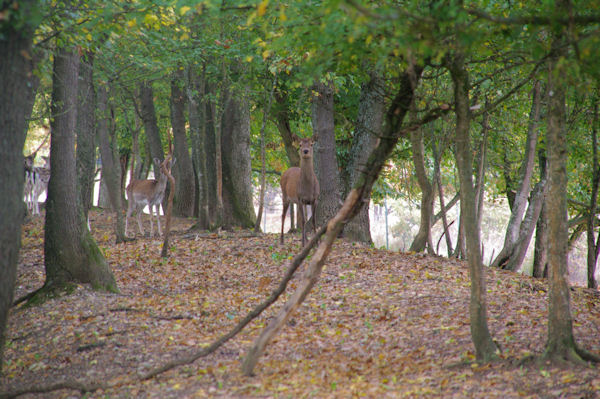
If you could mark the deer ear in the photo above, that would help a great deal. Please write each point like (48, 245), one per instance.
(315, 137)
(295, 138)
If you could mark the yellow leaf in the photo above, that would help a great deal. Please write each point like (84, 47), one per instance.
(183, 10)
(266, 54)
(262, 8)
(131, 23)
(185, 36)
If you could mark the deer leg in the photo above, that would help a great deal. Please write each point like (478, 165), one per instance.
(286, 204)
(302, 221)
(158, 219)
(139, 220)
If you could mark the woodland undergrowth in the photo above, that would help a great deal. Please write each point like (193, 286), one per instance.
(378, 324)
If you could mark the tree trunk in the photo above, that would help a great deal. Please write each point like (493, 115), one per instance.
(352, 204)
(513, 229)
(326, 166)
(485, 348)
(540, 256)
(237, 179)
(592, 246)
(71, 254)
(282, 119)
(561, 342)
(210, 156)
(196, 112)
(86, 133)
(150, 124)
(423, 237)
(371, 111)
(17, 93)
(111, 168)
(183, 202)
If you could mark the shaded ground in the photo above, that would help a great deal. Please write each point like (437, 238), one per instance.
(378, 324)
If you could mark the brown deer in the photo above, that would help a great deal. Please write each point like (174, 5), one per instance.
(300, 185)
(148, 192)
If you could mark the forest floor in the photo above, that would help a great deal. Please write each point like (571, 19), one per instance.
(377, 324)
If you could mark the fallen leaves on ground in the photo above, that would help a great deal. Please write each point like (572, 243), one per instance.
(378, 324)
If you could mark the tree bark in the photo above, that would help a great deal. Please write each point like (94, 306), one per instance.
(150, 124)
(423, 237)
(86, 133)
(71, 254)
(511, 239)
(197, 117)
(371, 111)
(183, 173)
(485, 348)
(326, 166)
(560, 344)
(237, 180)
(540, 256)
(17, 93)
(111, 168)
(592, 245)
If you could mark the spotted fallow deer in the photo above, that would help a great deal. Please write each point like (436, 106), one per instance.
(300, 186)
(148, 192)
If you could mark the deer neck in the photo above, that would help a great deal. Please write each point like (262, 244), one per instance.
(307, 170)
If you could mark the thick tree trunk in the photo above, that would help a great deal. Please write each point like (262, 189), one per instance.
(71, 254)
(86, 133)
(513, 229)
(485, 348)
(196, 112)
(237, 180)
(183, 202)
(17, 93)
(326, 166)
(371, 111)
(561, 342)
(150, 124)
(111, 168)
(352, 205)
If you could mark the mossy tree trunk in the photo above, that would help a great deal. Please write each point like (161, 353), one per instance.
(71, 254)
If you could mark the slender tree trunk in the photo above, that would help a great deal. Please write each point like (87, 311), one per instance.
(70, 252)
(423, 237)
(371, 111)
(17, 93)
(482, 165)
(210, 154)
(438, 181)
(485, 348)
(282, 119)
(111, 169)
(183, 173)
(326, 166)
(540, 257)
(263, 166)
(523, 191)
(86, 133)
(592, 247)
(237, 179)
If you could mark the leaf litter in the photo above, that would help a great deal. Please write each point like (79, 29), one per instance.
(377, 324)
